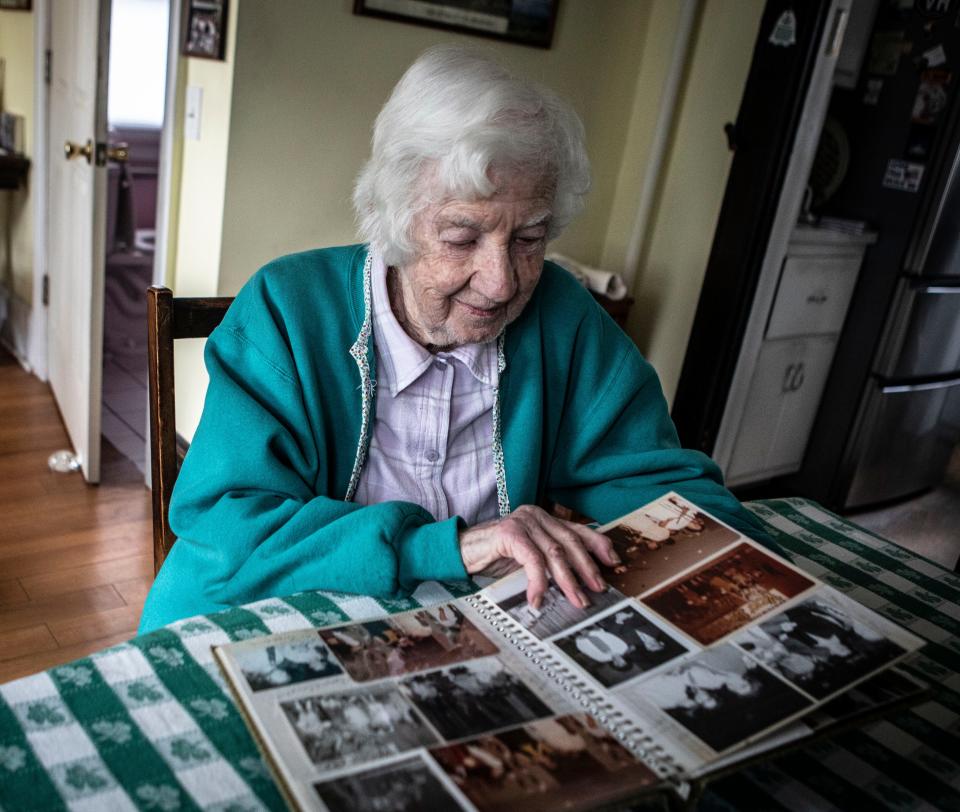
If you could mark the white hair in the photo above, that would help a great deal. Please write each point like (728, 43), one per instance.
(460, 115)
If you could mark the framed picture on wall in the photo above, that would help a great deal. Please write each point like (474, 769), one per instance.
(16, 5)
(527, 22)
(205, 28)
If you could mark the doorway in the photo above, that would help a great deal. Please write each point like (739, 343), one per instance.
(135, 113)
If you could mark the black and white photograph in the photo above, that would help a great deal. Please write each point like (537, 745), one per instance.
(351, 728)
(302, 658)
(661, 540)
(722, 696)
(889, 688)
(205, 31)
(477, 697)
(403, 644)
(567, 763)
(556, 613)
(819, 646)
(620, 646)
(402, 786)
(728, 592)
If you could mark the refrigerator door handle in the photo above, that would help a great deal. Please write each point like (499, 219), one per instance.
(920, 248)
(940, 289)
(920, 387)
(835, 40)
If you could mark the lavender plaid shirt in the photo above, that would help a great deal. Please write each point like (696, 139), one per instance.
(432, 439)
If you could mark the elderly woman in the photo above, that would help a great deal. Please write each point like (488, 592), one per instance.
(383, 414)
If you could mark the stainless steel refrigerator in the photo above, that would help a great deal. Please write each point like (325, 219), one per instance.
(890, 416)
(909, 421)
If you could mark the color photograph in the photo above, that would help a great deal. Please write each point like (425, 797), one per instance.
(403, 786)
(721, 696)
(403, 644)
(556, 613)
(474, 698)
(620, 646)
(568, 763)
(658, 541)
(286, 663)
(819, 646)
(351, 728)
(727, 593)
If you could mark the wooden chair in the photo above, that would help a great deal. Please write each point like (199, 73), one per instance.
(168, 319)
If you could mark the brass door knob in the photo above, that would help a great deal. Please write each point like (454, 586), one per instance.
(118, 153)
(72, 150)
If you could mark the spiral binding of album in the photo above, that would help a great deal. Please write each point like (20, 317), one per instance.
(625, 730)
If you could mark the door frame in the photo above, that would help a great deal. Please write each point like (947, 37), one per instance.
(163, 225)
(37, 327)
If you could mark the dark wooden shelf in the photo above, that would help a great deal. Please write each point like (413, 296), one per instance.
(13, 171)
(618, 309)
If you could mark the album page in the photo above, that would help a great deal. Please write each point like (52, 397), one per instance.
(883, 693)
(429, 709)
(708, 639)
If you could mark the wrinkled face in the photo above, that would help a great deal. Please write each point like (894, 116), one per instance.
(477, 263)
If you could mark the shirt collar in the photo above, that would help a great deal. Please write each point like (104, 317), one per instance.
(403, 359)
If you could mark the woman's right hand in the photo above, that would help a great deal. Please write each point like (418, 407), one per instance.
(543, 545)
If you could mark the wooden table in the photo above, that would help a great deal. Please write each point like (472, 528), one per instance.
(147, 724)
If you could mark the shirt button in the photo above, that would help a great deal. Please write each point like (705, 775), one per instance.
(432, 456)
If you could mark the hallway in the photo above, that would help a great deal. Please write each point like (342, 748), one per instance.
(75, 560)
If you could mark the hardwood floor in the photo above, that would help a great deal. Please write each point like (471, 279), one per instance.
(75, 560)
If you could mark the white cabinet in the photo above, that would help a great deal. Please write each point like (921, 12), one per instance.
(790, 371)
(785, 391)
(813, 296)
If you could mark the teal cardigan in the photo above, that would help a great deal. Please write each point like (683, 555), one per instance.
(262, 506)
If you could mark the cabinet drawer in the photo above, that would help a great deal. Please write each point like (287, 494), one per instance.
(813, 296)
(782, 403)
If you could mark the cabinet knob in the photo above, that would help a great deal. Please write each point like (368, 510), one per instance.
(793, 377)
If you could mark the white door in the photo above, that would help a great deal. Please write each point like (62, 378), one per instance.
(79, 38)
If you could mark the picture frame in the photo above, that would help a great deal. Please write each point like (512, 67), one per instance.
(523, 22)
(16, 5)
(205, 29)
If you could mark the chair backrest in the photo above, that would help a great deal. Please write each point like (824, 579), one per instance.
(168, 319)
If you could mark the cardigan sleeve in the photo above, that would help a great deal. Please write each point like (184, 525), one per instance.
(249, 520)
(617, 448)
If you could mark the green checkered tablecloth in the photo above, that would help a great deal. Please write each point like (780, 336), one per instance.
(148, 724)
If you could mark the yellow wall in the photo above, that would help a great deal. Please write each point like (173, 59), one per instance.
(16, 48)
(644, 103)
(692, 187)
(197, 195)
(310, 81)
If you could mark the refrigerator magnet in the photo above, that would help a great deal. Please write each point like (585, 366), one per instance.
(931, 99)
(904, 176)
(871, 95)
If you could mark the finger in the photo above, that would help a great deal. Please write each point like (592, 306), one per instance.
(528, 556)
(555, 556)
(576, 553)
(599, 545)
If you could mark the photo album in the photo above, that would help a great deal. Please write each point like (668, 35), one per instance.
(705, 652)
